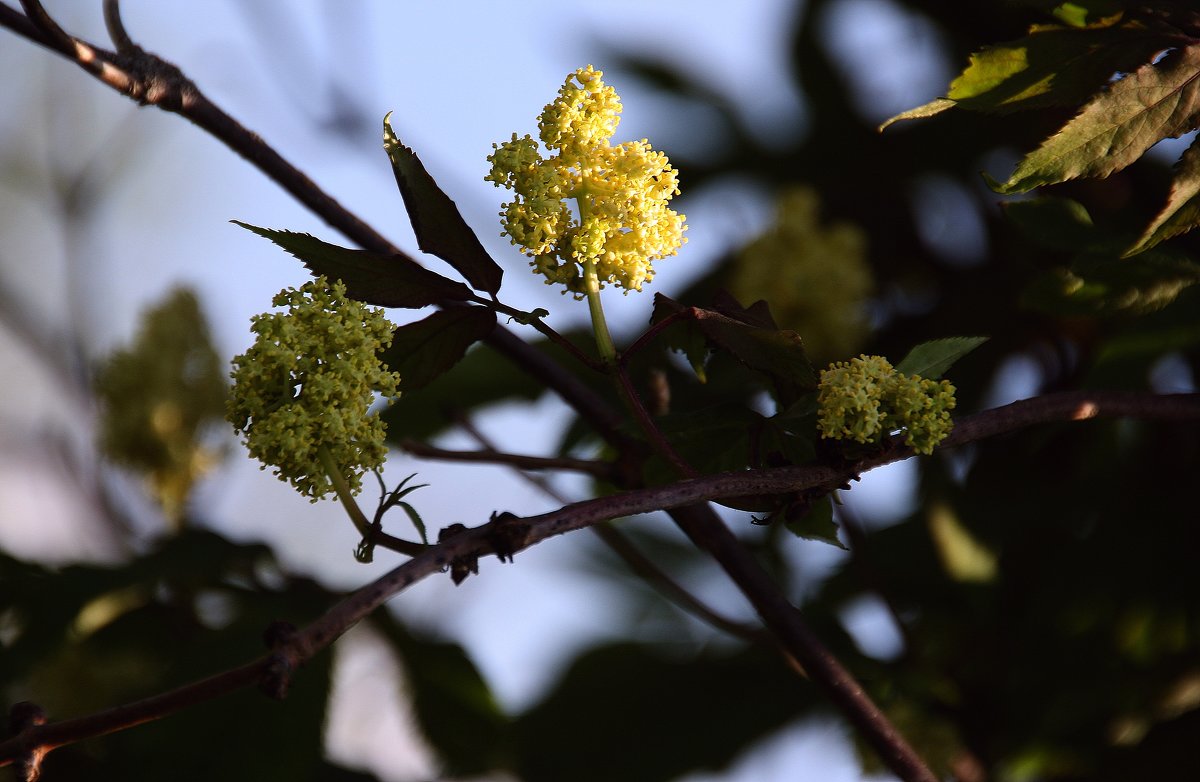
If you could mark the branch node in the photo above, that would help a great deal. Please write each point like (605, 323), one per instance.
(506, 534)
(21, 717)
(460, 567)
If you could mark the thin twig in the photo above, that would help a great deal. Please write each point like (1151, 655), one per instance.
(603, 470)
(658, 441)
(116, 28)
(543, 327)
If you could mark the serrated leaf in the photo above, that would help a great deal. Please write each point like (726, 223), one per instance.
(1055, 223)
(744, 334)
(932, 359)
(382, 280)
(1053, 66)
(1158, 100)
(936, 106)
(423, 350)
(439, 226)
(1182, 211)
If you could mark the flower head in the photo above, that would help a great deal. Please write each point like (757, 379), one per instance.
(308, 382)
(866, 398)
(623, 220)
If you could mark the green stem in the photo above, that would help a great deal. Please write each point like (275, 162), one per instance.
(343, 492)
(591, 287)
(604, 343)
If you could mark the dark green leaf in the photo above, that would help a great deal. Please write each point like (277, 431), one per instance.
(1056, 223)
(1158, 100)
(649, 717)
(450, 699)
(482, 378)
(932, 359)
(382, 280)
(813, 522)
(439, 227)
(423, 350)
(1102, 284)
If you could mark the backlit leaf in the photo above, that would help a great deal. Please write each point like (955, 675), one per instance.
(382, 280)
(1157, 101)
(1052, 66)
(1182, 211)
(936, 106)
(439, 227)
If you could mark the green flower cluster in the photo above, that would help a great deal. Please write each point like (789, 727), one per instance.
(865, 399)
(815, 276)
(307, 383)
(623, 193)
(159, 395)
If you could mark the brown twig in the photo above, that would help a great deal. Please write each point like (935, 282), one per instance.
(781, 617)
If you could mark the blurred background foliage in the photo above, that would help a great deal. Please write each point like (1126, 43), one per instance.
(1042, 589)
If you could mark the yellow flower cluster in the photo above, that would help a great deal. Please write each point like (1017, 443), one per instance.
(865, 399)
(623, 192)
(308, 382)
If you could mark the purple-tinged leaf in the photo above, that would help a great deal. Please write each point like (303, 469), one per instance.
(382, 280)
(439, 227)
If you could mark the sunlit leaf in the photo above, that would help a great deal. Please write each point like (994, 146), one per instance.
(1157, 101)
(936, 106)
(1182, 211)
(1053, 66)
(439, 226)
(382, 280)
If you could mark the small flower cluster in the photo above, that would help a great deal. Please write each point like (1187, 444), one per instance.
(865, 399)
(308, 382)
(623, 192)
